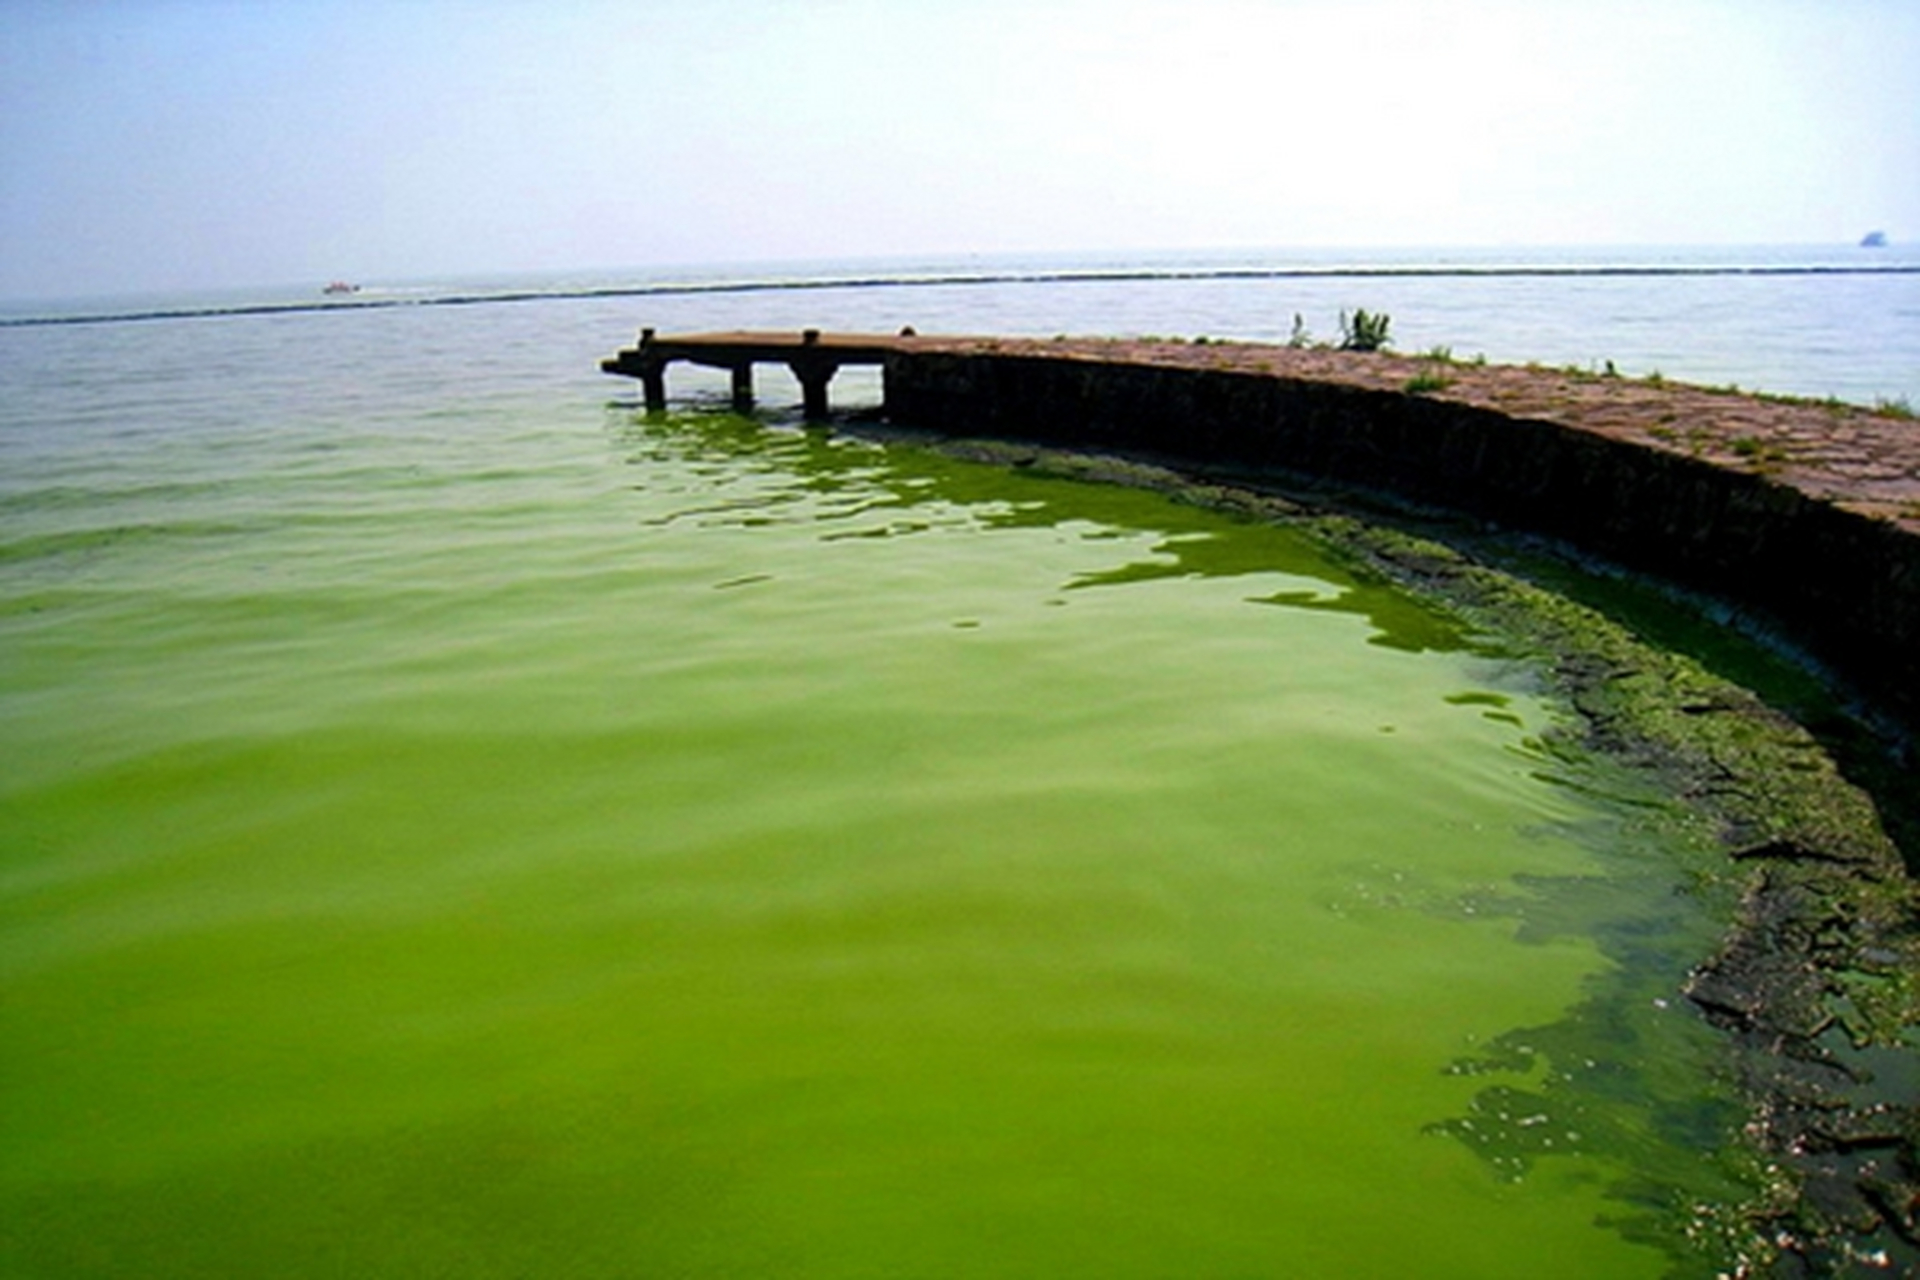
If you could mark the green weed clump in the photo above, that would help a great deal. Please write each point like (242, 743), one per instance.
(1760, 454)
(1427, 380)
(1364, 330)
(1896, 407)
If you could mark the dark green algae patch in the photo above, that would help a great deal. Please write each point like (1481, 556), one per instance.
(1812, 987)
(1801, 978)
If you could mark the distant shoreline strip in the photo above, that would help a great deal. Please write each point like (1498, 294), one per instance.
(1139, 276)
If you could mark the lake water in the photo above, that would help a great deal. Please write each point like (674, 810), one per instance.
(452, 823)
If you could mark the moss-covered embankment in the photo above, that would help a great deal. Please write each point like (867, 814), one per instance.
(1817, 982)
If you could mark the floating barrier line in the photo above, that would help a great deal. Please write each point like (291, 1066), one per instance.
(1091, 276)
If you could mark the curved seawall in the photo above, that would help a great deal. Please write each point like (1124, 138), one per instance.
(1805, 514)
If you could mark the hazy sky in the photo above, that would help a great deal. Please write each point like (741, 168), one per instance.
(155, 144)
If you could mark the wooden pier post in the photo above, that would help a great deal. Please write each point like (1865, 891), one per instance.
(815, 370)
(653, 374)
(743, 387)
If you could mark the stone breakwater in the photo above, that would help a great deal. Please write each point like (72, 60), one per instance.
(1804, 515)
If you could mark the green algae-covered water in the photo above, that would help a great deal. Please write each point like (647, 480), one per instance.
(484, 832)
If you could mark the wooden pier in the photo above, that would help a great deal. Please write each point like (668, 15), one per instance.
(813, 357)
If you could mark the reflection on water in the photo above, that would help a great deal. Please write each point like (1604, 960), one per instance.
(705, 849)
(1195, 547)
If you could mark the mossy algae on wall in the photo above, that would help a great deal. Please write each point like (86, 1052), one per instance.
(1819, 976)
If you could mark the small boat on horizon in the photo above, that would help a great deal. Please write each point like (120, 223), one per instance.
(1874, 240)
(340, 286)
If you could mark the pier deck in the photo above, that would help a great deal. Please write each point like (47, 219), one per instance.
(813, 356)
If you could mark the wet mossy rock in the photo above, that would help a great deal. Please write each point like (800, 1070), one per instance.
(1820, 967)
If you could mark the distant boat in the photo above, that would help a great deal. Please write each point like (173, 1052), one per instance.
(341, 286)
(1874, 240)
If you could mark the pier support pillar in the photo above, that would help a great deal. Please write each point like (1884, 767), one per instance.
(743, 387)
(814, 369)
(653, 382)
(652, 373)
(813, 392)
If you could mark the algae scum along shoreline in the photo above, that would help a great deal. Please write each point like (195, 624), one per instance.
(1811, 989)
(1786, 957)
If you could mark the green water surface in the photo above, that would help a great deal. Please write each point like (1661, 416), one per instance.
(692, 848)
